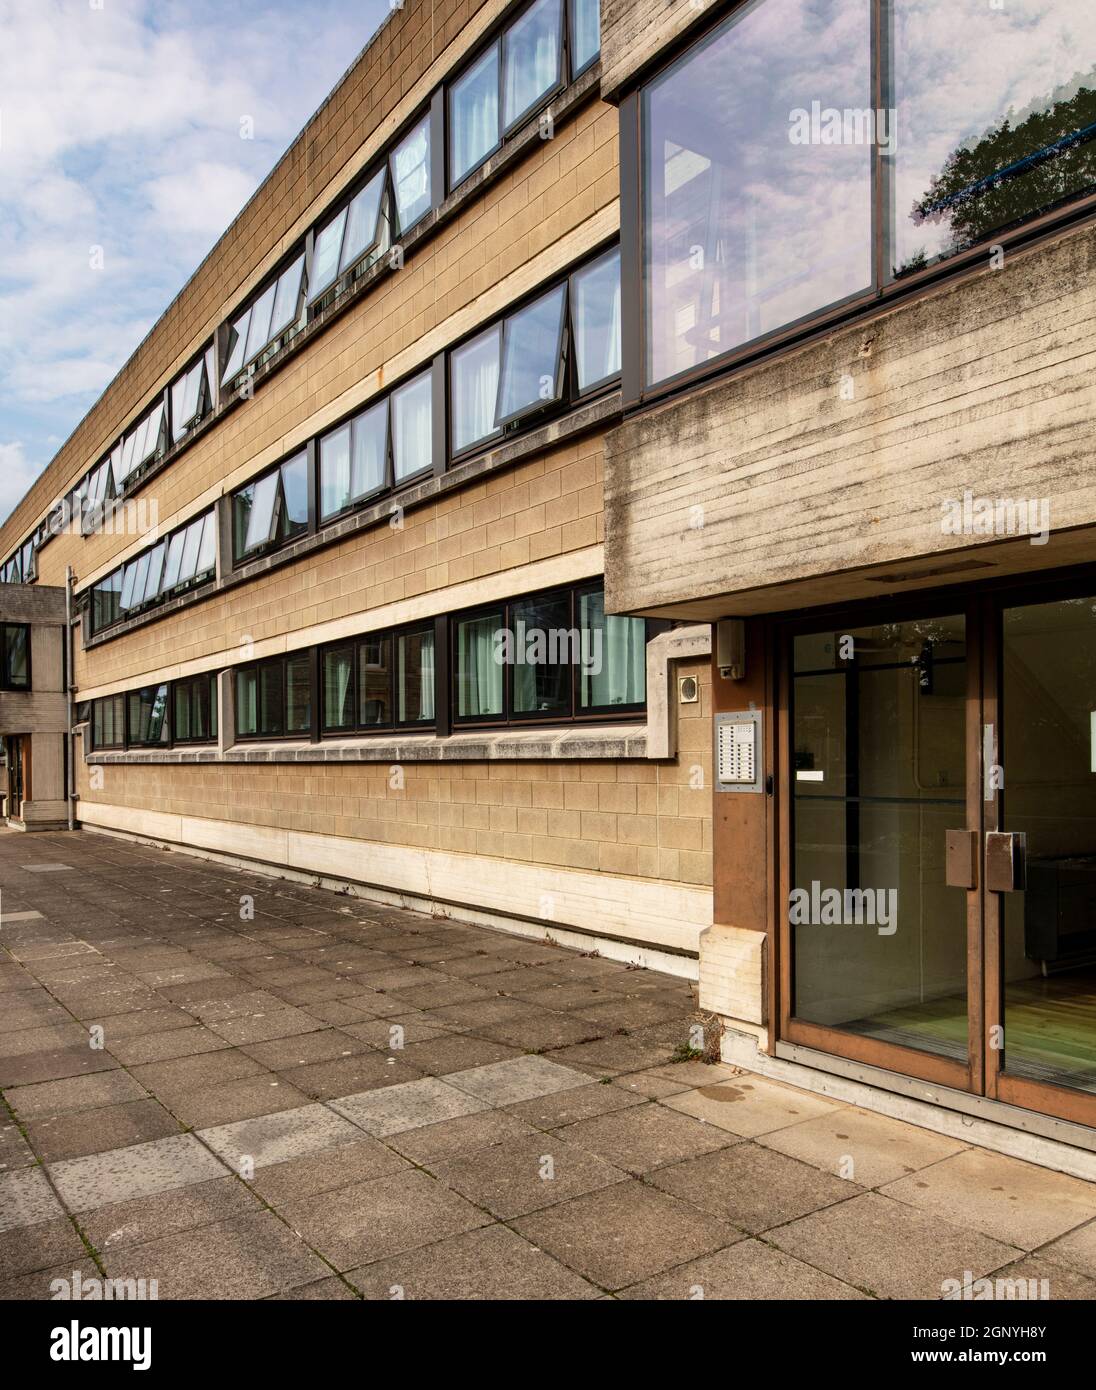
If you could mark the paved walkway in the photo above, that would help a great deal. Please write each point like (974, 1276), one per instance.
(303, 1095)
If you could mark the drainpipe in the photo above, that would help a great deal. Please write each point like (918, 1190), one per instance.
(69, 671)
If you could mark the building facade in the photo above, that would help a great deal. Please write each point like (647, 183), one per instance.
(624, 476)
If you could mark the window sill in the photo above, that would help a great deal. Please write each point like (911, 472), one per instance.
(506, 745)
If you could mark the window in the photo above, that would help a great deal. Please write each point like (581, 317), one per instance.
(108, 728)
(531, 53)
(553, 656)
(195, 709)
(769, 200)
(1019, 141)
(381, 681)
(274, 699)
(262, 324)
(585, 34)
(354, 461)
(187, 557)
(411, 176)
(514, 76)
(191, 395)
(745, 230)
(548, 352)
(149, 726)
(272, 510)
(140, 447)
(14, 656)
(413, 427)
(360, 228)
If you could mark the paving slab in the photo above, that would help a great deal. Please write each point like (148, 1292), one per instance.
(1077, 1249)
(749, 1271)
(279, 1023)
(751, 1187)
(624, 1233)
(26, 1198)
(869, 1149)
(393, 1109)
(243, 1258)
(324, 1171)
(749, 1105)
(74, 1093)
(39, 1285)
(645, 1137)
(247, 1097)
(449, 1052)
(582, 1102)
(522, 1175)
(889, 1249)
(368, 1221)
(342, 1076)
(1000, 1196)
(276, 1138)
(81, 1132)
(521, 1078)
(25, 1249)
(163, 1046)
(137, 1171)
(1038, 1277)
(303, 1049)
(323, 1290)
(490, 1263)
(142, 1219)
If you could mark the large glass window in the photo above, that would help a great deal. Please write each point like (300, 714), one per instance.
(273, 509)
(415, 676)
(108, 722)
(531, 357)
(747, 227)
(274, 699)
(365, 689)
(191, 395)
(548, 656)
(195, 704)
(354, 461)
(595, 317)
(531, 53)
(411, 176)
(996, 119)
(14, 656)
(186, 557)
(361, 227)
(474, 116)
(375, 681)
(474, 385)
(144, 443)
(413, 427)
(148, 722)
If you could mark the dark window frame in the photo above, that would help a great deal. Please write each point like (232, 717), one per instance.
(6, 681)
(119, 723)
(131, 741)
(355, 644)
(509, 718)
(226, 344)
(308, 452)
(884, 291)
(281, 662)
(210, 680)
(197, 581)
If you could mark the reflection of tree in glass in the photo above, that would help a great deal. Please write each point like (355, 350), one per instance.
(1018, 167)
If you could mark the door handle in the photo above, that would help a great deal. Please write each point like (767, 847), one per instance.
(961, 858)
(1006, 861)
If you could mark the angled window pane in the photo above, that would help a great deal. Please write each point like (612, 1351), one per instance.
(749, 223)
(258, 333)
(174, 560)
(155, 571)
(287, 301)
(478, 671)
(97, 484)
(207, 551)
(531, 58)
(415, 676)
(595, 313)
(362, 223)
(473, 388)
(128, 576)
(151, 440)
(411, 175)
(295, 496)
(260, 520)
(338, 689)
(140, 579)
(186, 394)
(125, 464)
(325, 256)
(298, 695)
(375, 681)
(531, 347)
(474, 115)
(191, 544)
(369, 456)
(335, 471)
(585, 33)
(237, 344)
(412, 427)
(148, 724)
(614, 656)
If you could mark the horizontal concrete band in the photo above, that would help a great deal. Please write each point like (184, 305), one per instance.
(665, 916)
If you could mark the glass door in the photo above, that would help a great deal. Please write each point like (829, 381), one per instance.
(1040, 865)
(880, 955)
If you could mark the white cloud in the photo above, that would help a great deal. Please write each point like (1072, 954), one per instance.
(16, 475)
(201, 202)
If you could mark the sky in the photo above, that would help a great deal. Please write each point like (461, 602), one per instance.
(121, 163)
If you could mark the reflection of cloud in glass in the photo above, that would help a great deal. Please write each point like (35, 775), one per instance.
(747, 231)
(960, 69)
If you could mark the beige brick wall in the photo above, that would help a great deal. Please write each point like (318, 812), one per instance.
(634, 33)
